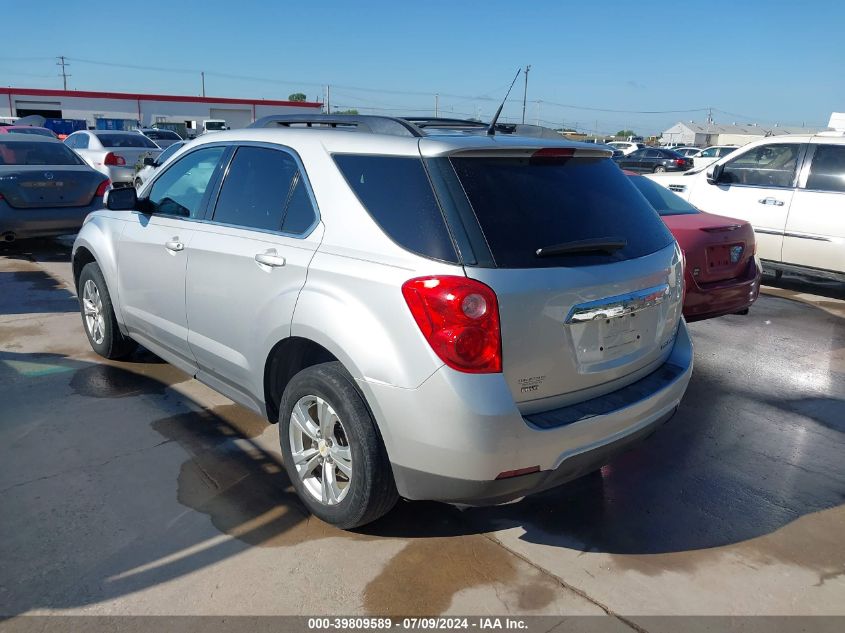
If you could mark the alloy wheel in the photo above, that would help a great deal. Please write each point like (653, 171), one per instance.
(92, 305)
(320, 450)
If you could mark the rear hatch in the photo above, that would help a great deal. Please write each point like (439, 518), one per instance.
(577, 320)
(27, 187)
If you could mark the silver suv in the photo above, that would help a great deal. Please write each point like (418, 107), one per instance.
(427, 313)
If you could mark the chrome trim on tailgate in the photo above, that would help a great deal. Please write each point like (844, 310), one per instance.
(621, 305)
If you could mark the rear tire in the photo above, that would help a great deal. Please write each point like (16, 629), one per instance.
(659, 169)
(332, 449)
(138, 183)
(98, 316)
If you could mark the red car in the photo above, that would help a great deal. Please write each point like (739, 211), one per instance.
(722, 269)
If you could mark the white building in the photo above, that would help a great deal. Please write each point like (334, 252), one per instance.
(706, 134)
(144, 108)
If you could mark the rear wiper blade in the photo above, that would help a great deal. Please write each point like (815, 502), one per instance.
(596, 245)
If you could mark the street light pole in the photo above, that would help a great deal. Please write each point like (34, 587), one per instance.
(525, 91)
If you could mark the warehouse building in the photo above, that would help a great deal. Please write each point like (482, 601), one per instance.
(142, 109)
(706, 134)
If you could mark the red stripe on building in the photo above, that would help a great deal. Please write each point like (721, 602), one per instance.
(43, 92)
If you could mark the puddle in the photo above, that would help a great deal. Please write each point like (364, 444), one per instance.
(122, 380)
(423, 578)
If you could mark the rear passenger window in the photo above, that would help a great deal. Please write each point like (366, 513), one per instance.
(299, 215)
(827, 171)
(256, 189)
(397, 194)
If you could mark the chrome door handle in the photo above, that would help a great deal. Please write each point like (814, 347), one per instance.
(772, 201)
(174, 245)
(270, 259)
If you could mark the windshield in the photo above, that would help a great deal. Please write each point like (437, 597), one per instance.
(126, 140)
(664, 201)
(39, 131)
(162, 135)
(169, 152)
(36, 153)
(523, 206)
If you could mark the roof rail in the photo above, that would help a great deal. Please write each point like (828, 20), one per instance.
(350, 122)
(516, 129)
(444, 123)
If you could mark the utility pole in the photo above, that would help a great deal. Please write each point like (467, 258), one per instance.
(436, 105)
(202, 74)
(539, 101)
(328, 99)
(525, 91)
(63, 64)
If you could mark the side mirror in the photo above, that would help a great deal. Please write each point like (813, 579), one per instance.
(121, 199)
(150, 161)
(713, 175)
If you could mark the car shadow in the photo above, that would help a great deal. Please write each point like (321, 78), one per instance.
(24, 291)
(811, 285)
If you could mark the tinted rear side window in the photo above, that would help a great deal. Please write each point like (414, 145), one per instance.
(256, 189)
(396, 192)
(522, 206)
(664, 201)
(827, 171)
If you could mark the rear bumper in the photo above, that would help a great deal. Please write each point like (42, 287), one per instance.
(26, 223)
(718, 299)
(449, 439)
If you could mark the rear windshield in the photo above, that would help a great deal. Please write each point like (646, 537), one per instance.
(126, 140)
(162, 135)
(664, 201)
(396, 192)
(215, 125)
(35, 153)
(524, 206)
(39, 131)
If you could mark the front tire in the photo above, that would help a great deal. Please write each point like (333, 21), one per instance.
(332, 450)
(98, 316)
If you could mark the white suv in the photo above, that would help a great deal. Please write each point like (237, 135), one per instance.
(792, 190)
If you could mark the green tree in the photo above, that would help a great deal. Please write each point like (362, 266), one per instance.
(297, 96)
(626, 133)
(351, 111)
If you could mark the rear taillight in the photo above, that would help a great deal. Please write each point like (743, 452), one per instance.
(113, 159)
(101, 190)
(459, 317)
(680, 162)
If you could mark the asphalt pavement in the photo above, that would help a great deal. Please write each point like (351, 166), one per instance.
(129, 488)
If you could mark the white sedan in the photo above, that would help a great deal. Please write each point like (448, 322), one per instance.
(711, 155)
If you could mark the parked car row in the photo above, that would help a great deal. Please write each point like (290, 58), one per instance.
(791, 188)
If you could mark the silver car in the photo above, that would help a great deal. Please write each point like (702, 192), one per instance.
(458, 317)
(116, 154)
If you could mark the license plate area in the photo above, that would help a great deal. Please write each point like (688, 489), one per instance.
(603, 340)
(724, 256)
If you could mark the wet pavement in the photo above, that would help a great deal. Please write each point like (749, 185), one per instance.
(128, 488)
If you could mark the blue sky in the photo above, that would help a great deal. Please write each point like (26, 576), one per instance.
(753, 61)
